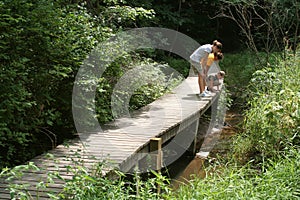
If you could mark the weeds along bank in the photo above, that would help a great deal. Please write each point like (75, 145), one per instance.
(263, 164)
(277, 179)
(272, 122)
(264, 159)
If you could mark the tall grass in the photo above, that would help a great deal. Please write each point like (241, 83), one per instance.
(280, 180)
(86, 184)
(273, 119)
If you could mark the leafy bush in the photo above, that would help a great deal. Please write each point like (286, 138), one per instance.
(42, 47)
(127, 84)
(180, 65)
(273, 119)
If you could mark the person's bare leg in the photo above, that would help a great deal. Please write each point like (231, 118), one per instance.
(201, 83)
(204, 83)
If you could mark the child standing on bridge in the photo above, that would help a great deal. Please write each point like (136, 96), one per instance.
(198, 60)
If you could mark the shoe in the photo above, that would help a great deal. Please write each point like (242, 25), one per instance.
(204, 94)
(201, 94)
(207, 92)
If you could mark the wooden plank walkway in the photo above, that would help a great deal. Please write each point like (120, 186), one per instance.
(124, 142)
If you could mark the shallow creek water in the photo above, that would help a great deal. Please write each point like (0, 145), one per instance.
(187, 166)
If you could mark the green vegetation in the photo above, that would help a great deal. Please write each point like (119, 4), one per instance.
(239, 68)
(85, 186)
(263, 162)
(41, 49)
(272, 122)
(42, 46)
(44, 43)
(278, 180)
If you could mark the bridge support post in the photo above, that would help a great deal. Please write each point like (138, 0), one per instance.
(195, 136)
(156, 153)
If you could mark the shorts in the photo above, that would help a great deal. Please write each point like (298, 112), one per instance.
(197, 68)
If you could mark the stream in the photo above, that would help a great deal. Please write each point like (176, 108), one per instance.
(188, 166)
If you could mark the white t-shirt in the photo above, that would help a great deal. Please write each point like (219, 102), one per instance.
(199, 53)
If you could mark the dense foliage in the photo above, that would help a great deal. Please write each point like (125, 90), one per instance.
(272, 122)
(43, 44)
(41, 48)
(264, 160)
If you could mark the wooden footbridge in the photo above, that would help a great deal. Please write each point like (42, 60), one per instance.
(170, 122)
